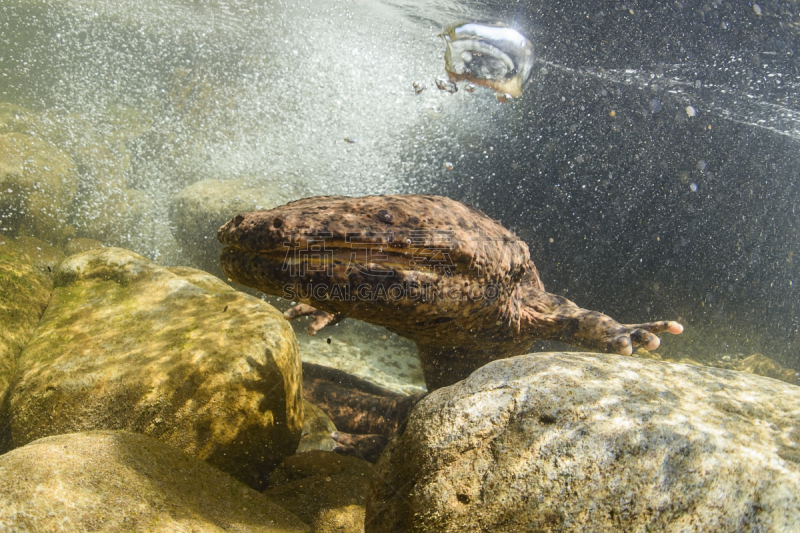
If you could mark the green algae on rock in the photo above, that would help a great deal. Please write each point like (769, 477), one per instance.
(128, 344)
(44, 257)
(576, 441)
(24, 292)
(119, 481)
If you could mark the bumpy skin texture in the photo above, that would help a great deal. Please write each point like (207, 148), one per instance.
(428, 268)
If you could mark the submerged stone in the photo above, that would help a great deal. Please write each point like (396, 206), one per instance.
(325, 489)
(197, 212)
(574, 441)
(171, 353)
(119, 481)
(24, 292)
(37, 186)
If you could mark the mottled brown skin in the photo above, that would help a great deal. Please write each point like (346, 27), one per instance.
(365, 414)
(457, 332)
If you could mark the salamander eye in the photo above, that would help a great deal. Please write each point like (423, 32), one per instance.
(277, 223)
(384, 216)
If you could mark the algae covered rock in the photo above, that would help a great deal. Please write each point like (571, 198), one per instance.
(581, 442)
(198, 211)
(37, 186)
(119, 481)
(325, 489)
(43, 256)
(24, 292)
(178, 355)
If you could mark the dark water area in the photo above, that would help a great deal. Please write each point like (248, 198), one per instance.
(629, 204)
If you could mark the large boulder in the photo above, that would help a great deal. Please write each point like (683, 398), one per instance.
(197, 212)
(118, 481)
(581, 442)
(37, 186)
(24, 292)
(171, 353)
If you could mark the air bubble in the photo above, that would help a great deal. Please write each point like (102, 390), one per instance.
(443, 84)
(494, 56)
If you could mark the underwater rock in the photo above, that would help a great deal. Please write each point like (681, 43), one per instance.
(317, 430)
(364, 351)
(324, 489)
(494, 56)
(762, 365)
(37, 186)
(119, 481)
(24, 292)
(80, 245)
(128, 344)
(197, 212)
(38, 253)
(576, 441)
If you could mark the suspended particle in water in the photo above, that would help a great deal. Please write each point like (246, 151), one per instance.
(612, 113)
(328, 340)
(757, 9)
(494, 56)
(226, 308)
(443, 84)
(693, 187)
(470, 88)
(655, 105)
(448, 165)
(503, 98)
(691, 111)
(351, 140)
(419, 87)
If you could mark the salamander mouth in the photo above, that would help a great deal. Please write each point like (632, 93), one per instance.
(316, 255)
